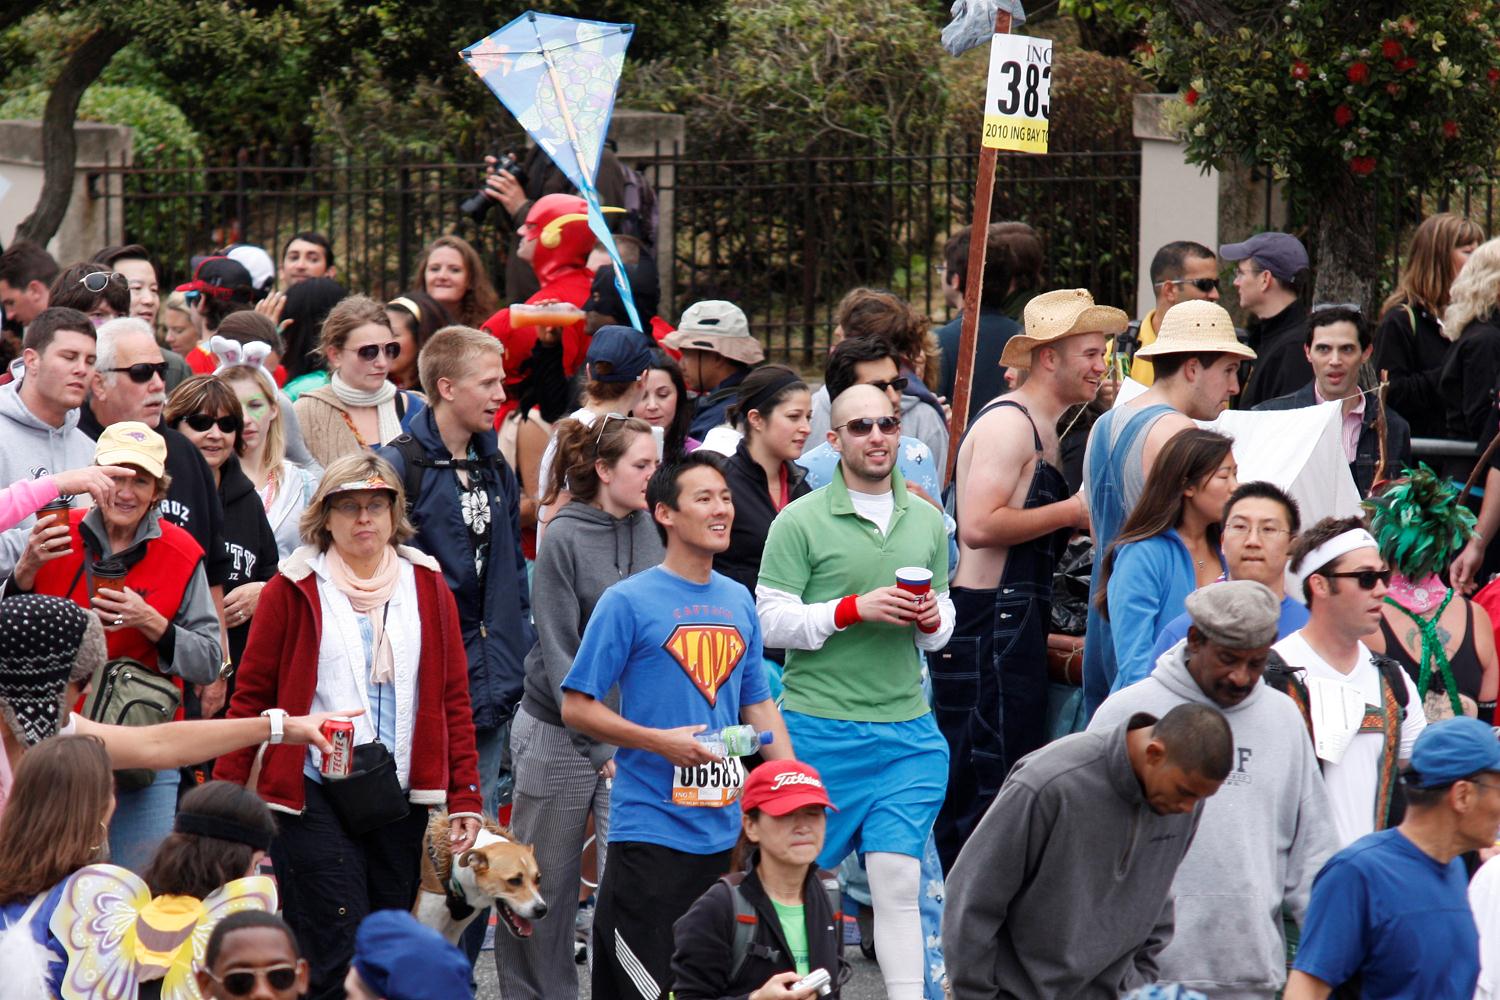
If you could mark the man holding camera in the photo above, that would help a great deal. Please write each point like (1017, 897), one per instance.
(518, 181)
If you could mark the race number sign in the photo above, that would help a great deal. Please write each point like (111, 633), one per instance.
(1016, 100)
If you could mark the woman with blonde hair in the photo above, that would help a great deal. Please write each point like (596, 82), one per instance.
(451, 272)
(359, 407)
(355, 615)
(1410, 343)
(1467, 383)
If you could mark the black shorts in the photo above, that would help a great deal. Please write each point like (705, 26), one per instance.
(645, 889)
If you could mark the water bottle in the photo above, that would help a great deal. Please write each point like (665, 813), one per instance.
(735, 741)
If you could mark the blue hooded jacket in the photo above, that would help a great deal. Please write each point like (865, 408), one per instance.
(495, 613)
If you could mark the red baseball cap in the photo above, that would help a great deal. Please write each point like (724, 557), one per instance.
(782, 786)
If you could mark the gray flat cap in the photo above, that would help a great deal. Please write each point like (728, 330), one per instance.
(1236, 614)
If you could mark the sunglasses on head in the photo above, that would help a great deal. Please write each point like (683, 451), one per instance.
(899, 384)
(201, 422)
(143, 371)
(861, 426)
(240, 983)
(372, 351)
(98, 281)
(1204, 285)
(1365, 578)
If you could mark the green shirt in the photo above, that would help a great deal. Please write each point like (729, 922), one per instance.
(821, 550)
(794, 927)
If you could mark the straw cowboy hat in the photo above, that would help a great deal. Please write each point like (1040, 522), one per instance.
(1196, 327)
(1052, 316)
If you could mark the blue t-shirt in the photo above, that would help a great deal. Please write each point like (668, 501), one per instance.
(1293, 617)
(683, 653)
(1384, 910)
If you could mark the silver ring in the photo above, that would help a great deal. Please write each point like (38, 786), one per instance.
(119, 621)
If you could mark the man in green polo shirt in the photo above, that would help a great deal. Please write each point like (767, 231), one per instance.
(854, 705)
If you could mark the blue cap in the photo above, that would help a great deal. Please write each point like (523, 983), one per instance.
(1453, 749)
(1280, 253)
(624, 350)
(400, 959)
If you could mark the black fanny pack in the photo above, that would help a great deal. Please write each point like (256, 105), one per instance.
(370, 797)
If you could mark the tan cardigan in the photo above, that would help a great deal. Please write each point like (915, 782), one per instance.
(324, 427)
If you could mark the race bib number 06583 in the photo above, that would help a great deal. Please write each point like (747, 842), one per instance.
(1017, 99)
(715, 784)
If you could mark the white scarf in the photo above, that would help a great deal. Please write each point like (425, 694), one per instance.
(383, 399)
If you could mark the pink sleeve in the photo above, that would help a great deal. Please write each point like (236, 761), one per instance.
(23, 498)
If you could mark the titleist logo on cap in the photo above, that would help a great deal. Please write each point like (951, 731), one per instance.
(794, 778)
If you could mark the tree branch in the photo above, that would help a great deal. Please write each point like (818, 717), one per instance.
(59, 143)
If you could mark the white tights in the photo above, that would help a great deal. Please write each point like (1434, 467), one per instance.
(895, 887)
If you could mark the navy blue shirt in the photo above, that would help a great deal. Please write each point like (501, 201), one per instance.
(1385, 911)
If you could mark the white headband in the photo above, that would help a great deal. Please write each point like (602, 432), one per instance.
(1349, 541)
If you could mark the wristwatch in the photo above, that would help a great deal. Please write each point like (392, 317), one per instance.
(226, 669)
(278, 724)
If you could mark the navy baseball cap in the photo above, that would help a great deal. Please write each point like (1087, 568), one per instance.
(1451, 750)
(624, 351)
(1280, 253)
(401, 959)
(645, 288)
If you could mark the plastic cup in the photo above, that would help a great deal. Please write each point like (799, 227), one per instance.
(915, 580)
(552, 314)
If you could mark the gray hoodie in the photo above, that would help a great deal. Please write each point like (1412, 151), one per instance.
(29, 449)
(584, 552)
(918, 420)
(1064, 889)
(1263, 837)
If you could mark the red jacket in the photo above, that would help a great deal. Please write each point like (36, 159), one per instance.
(280, 670)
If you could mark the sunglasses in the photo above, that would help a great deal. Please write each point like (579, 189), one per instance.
(861, 426)
(1353, 307)
(239, 984)
(1204, 285)
(142, 372)
(98, 281)
(370, 352)
(201, 422)
(603, 423)
(1366, 578)
(899, 384)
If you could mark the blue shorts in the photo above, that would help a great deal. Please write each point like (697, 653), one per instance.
(886, 778)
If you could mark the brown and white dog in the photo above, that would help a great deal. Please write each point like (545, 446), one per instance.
(496, 872)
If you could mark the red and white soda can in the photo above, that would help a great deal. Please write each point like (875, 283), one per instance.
(340, 762)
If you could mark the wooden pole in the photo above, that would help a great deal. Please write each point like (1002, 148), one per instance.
(984, 191)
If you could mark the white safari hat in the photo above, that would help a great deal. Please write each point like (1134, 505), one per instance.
(1196, 327)
(1052, 316)
(717, 326)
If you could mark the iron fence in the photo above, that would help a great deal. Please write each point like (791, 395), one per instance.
(784, 236)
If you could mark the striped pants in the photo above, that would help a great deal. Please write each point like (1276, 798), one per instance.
(556, 788)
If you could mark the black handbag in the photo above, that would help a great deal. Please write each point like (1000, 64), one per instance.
(370, 797)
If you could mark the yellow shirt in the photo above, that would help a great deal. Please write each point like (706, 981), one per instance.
(1141, 369)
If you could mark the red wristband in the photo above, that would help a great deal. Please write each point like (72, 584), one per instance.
(847, 612)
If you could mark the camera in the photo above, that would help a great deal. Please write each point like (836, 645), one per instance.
(477, 205)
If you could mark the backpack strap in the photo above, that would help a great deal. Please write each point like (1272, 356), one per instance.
(1394, 678)
(413, 462)
(1288, 680)
(745, 922)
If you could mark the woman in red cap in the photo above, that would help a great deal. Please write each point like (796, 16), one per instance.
(761, 930)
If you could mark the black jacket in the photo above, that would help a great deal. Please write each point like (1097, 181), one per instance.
(753, 514)
(1367, 451)
(192, 501)
(249, 542)
(1413, 358)
(1281, 365)
(704, 939)
(1468, 381)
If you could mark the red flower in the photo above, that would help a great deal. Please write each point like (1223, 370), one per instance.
(1342, 116)
(1405, 65)
(1409, 25)
(1191, 97)
(1362, 166)
(1394, 89)
(1359, 73)
(1450, 129)
(1493, 76)
(1301, 71)
(1391, 49)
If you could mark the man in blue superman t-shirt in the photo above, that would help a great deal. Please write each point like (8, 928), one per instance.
(683, 644)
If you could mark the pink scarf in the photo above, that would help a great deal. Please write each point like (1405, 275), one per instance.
(367, 595)
(1420, 596)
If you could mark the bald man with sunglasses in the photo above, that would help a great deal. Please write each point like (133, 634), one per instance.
(1343, 578)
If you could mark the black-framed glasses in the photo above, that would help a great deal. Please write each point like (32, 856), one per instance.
(142, 372)
(98, 281)
(899, 384)
(370, 352)
(240, 982)
(862, 426)
(200, 422)
(1204, 285)
(1366, 578)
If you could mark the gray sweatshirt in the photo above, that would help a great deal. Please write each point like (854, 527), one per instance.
(1064, 889)
(1263, 837)
(584, 552)
(29, 449)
